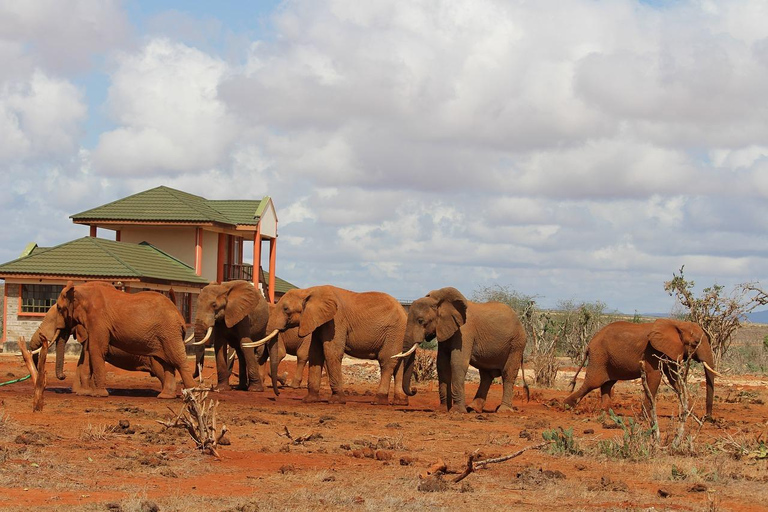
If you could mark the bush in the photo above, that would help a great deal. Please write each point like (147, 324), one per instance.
(561, 441)
(425, 365)
(636, 443)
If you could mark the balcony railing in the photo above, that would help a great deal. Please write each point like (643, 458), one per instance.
(240, 271)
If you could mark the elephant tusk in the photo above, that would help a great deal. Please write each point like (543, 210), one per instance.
(261, 342)
(405, 354)
(190, 338)
(37, 350)
(202, 341)
(711, 370)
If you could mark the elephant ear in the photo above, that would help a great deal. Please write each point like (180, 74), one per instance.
(451, 311)
(67, 296)
(666, 338)
(319, 307)
(241, 300)
(81, 333)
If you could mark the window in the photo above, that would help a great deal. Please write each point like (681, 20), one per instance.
(184, 303)
(38, 298)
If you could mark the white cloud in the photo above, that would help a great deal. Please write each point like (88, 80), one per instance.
(164, 99)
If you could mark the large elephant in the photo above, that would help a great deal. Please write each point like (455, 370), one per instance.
(616, 351)
(234, 313)
(367, 325)
(82, 383)
(142, 324)
(489, 336)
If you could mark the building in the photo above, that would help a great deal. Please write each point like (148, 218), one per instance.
(163, 239)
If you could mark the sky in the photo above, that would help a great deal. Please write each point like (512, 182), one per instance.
(581, 150)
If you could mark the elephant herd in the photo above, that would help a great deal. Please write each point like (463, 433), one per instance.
(145, 332)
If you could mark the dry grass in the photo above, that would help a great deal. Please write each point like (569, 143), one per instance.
(97, 432)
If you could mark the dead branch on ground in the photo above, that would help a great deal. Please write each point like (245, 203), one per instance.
(473, 465)
(198, 416)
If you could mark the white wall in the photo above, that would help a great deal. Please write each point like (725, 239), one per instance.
(210, 254)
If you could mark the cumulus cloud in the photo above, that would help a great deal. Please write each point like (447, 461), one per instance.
(170, 120)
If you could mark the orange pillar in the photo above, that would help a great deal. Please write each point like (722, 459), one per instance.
(93, 231)
(272, 264)
(199, 251)
(117, 235)
(220, 257)
(257, 256)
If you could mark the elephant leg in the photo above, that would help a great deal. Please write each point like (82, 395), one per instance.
(316, 358)
(486, 377)
(508, 377)
(157, 370)
(199, 362)
(249, 368)
(81, 384)
(222, 368)
(97, 352)
(400, 397)
(444, 377)
(606, 392)
(168, 380)
(459, 366)
(386, 370)
(302, 355)
(592, 380)
(334, 354)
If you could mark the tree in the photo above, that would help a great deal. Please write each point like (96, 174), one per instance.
(581, 320)
(718, 313)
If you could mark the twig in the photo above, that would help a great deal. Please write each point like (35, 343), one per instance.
(472, 465)
(651, 415)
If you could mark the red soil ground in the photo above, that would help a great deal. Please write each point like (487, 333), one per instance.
(75, 453)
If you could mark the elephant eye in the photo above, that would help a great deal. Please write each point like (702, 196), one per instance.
(421, 321)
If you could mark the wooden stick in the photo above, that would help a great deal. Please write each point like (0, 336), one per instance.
(37, 401)
(28, 359)
(472, 465)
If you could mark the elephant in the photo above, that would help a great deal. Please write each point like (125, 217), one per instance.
(234, 313)
(82, 384)
(617, 350)
(368, 325)
(141, 324)
(489, 336)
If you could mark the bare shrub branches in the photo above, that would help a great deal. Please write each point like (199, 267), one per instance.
(37, 374)
(720, 314)
(198, 416)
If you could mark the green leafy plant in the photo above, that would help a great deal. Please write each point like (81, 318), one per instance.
(636, 442)
(561, 441)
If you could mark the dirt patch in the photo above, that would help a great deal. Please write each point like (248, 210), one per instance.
(112, 454)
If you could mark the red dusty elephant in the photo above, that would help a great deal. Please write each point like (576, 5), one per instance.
(367, 325)
(616, 350)
(141, 324)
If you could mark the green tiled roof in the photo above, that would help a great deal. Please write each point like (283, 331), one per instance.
(97, 257)
(171, 205)
(281, 285)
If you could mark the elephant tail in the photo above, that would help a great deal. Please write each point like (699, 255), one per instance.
(578, 370)
(525, 384)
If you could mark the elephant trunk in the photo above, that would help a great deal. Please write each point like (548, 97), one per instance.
(408, 373)
(274, 356)
(61, 344)
(704, 355)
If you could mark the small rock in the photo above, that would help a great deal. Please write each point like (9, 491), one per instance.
(524, 434)
(406, 460)
(114, 507)
(393, 425)
(580, 466)
(225, 441)
(287, 468)
(662, 493)
(285, 448)
(589, 431)
(383, 455)
(698, 488)
(124, 424)
(329, 479)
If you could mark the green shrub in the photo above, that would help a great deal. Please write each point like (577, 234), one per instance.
(636, 442)
(561, 441)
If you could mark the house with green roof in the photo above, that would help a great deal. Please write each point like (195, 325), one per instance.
(163, 239)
